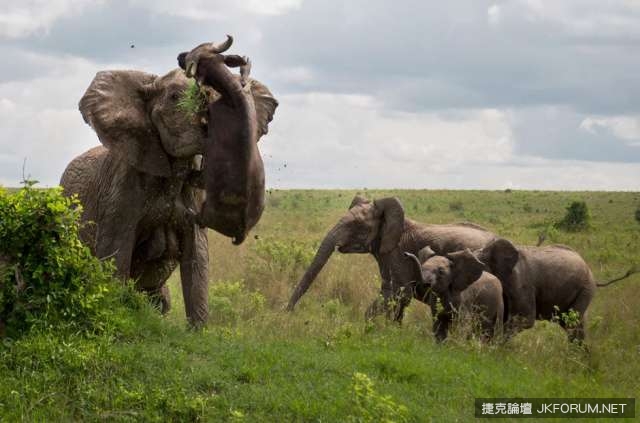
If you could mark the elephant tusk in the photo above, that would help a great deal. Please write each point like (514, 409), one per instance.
(192, 67)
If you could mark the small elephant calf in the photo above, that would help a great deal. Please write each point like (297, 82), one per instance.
(459, 281)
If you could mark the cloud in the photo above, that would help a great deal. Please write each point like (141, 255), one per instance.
(493, 14)
(623, 127)
(371, 147)
(372, 93)
(40, 121)
(19, 18)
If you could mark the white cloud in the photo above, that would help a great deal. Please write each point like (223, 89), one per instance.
(40, 121)
(623, 127)
(272, 7)
(580, 18)
(330, 140)
(493, 14)
(19, 18)
(201, 10)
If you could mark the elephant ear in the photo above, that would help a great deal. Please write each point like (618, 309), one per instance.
(391, 212)
(115, 106)
(425, 254)
(265, 106)
(357, 201)
(501, 256)
(465, 269)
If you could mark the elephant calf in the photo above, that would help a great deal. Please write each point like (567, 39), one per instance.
(460, 283)
(544, 283)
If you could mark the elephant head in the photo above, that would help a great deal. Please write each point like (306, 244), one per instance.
(135, 116)
(235, 185)
(500, 257)
(368, 227)
(446, 275)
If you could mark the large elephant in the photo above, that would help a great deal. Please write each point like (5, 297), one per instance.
(381, 229)
(544, 283)
(149, 192)
(459, 282)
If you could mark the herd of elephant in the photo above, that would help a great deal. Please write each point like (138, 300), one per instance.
(162, 177)
(460, 267)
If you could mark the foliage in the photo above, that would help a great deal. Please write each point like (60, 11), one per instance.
(638, 214)
(267, 365)
(285, 256)
(576, 218)
(49, 278)
(456, 206)
(370, 406)
(230, 303)
(570, 318)
(193, 101)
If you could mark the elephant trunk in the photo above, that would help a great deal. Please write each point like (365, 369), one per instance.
(325, 250)
(234, 171)
(417, 268)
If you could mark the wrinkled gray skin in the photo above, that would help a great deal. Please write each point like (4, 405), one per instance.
(460, 283)
(536, 280)
(381, 229)
(141, 189)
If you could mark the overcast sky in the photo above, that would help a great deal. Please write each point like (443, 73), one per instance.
(525, 94)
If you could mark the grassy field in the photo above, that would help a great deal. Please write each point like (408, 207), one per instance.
(321, 363)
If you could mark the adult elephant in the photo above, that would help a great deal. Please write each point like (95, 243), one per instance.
(542, 283)
(149, 192)
(381, 229)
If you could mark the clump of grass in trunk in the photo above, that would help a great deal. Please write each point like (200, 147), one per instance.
(193, 101)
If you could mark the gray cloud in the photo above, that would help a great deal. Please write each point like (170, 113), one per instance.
(424, 88)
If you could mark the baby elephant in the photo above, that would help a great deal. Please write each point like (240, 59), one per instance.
(459, 281)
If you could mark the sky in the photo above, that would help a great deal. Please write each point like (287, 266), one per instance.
(521, 94)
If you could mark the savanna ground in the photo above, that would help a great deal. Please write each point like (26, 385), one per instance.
(254, 362)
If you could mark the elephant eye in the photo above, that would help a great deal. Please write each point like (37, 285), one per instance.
(174, 96)
(440, 271)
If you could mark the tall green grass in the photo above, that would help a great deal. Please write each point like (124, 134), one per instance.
(255, 362)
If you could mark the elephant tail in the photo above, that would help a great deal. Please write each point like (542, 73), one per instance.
(633, 270)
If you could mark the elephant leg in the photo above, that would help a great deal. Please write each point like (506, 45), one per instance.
(401, 301)
(160, 298)
(116, 240)
(575, 331)
(441, 326)
(519, 322)
(380, 304)
(194, 274)
(151, 277)
(376, 308)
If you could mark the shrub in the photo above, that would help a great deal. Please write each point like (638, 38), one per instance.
(456, 206)
(638, 214)
(230, 303)
(577, 217)
(370, 406)
(47, 276)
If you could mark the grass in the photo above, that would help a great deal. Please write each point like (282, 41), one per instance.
(254, 362)
(192, 102)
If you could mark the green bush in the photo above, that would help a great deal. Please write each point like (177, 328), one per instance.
(638, 214)
(577, 217)
(370, 406)
(47, 276)
(230, 303)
